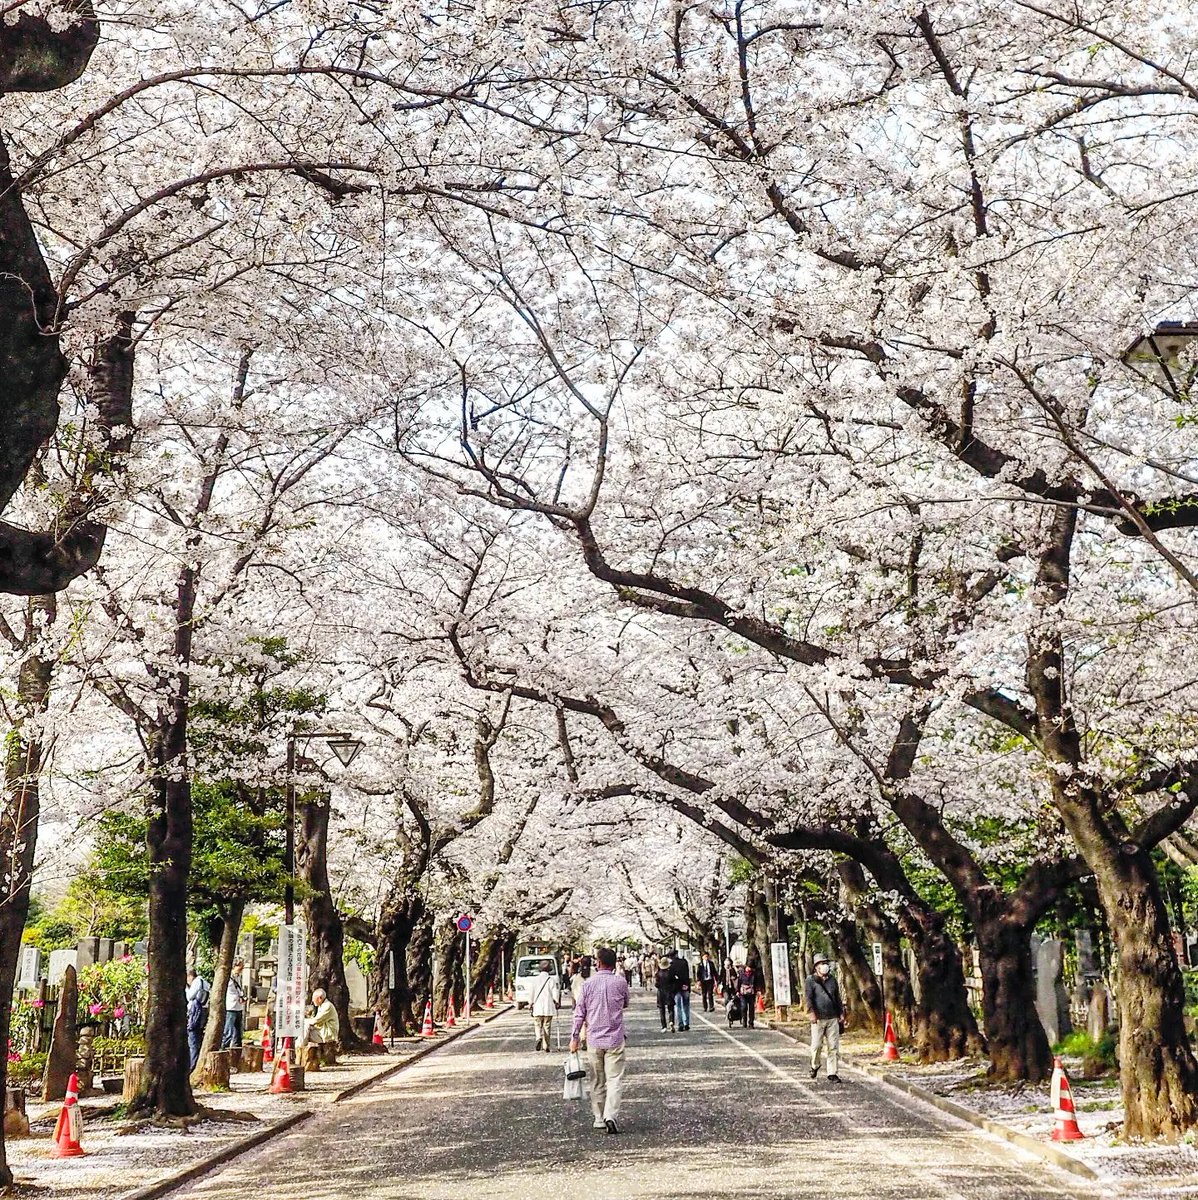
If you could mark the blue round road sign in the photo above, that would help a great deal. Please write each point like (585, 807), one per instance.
(465, 922)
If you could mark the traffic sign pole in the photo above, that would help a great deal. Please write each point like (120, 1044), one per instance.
(464, 923)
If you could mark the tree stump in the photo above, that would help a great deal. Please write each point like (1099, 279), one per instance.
(60, 1062)
(312, 1058)
(134, 1069)
(251, 1059)
(16, 1123)
(215, 1074)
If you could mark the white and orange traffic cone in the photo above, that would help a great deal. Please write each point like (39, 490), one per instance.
(268, 1044)
(450, 1016)
(427, 1030)
(889, 1045)
(490, 1002)
(280, 1081)
(69, 1131)
(760, 1002)
(1065, 1129)
(377, 1040)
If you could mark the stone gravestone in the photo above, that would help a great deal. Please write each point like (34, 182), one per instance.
(356, 982)
(87, 952)
(1052, 1002)
(1099, 1016)
(64, 1046)
(59, 961)
(1087, 964)
(104, 950)
(31, 967)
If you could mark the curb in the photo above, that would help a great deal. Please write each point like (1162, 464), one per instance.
(151, 1191)
(188, 1174)
(1047, 1152)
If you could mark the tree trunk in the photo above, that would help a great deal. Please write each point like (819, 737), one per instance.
(1018, 1044)
(19, 822)
(326, 936)
(862, 994)
(394, 1005)
(420, 963)
(448, 961)
(230, 931)
(945, 1027)
(1157, 1070)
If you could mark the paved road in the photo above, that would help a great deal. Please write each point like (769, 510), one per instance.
(708, 1114)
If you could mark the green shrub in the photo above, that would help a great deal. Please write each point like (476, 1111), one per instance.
(28, 1070)
(1097, 1057)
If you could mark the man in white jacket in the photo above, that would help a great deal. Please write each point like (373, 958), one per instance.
(546, 997)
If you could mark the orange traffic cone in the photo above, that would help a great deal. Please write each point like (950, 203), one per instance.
(70, 1124)
(268, 1045)
(1066, 1129)
(761, 1002)
(450, 1016)
(427, 1030)
(889, 1046)
(490, 1002)
(377, 1040)
(280, 1081)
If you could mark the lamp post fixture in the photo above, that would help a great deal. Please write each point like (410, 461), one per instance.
(346, 748)
(1157, 355)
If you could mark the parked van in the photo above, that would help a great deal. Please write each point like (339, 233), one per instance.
(528, 967)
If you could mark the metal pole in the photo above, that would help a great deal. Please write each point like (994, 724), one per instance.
(466, 1006)
(289, 891)
(503, 973)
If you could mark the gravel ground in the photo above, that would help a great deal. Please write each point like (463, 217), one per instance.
(708, 1114)
(121, 1158)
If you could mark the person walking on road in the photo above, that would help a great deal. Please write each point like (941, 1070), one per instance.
(546, 1000)
(680, 973)
(665, 996)
(582, 972)
(705, 974)
(821, 993)
(601, 1007)
(746, 992)
(234, 1008)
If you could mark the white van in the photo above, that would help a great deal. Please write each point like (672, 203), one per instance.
(528, 968)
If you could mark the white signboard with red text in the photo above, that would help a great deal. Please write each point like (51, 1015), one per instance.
(291, 986)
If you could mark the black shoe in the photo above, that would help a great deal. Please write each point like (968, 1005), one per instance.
(612, 1127)
(663, 1027)
(833, 1078)
(686, 1029)
(815, 1072)
(537, 1046)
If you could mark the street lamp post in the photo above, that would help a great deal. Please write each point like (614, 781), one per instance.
(1157, 355)
(346, 749)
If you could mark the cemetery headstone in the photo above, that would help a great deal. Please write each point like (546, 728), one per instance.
(88, 951)
(64, 1042)
(59, 961)
(31, 967)
(1052, 1002)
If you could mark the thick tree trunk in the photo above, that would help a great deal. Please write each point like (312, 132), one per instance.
(945, 1027)
(862, 995)
(326, 936)
(1018, 1045)
(226, 952)
(420, 962)
(1157, 1070)
(449, 960)
(395, 1005)
(19, 824)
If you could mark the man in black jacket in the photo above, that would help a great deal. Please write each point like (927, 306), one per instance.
(705, 973)
(680, 985)
(821, 993)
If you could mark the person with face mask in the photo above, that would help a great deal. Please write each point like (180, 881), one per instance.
(825, 1010)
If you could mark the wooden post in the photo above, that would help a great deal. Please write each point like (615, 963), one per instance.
(134, 1069)
(16, 1123)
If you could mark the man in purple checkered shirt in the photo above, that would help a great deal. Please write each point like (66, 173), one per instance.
(601, 1008)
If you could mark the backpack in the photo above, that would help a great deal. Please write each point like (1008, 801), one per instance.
(197, 1011)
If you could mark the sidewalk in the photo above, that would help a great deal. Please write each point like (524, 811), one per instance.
(1022, 1114)
(148, 1160)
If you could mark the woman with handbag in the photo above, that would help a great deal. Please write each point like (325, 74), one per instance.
(663, 981)
(746, 993)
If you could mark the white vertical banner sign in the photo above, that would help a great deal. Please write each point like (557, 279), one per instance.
(291, 986)
(780, 959)
(877, 951)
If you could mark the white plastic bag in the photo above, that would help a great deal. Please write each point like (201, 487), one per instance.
(574, 1087)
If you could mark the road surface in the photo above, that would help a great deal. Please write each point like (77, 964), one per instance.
(707, 1114)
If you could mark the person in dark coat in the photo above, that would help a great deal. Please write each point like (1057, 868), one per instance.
(665, 997)
(746, 991)
(821, 993)
(706, 976)
(680, 974)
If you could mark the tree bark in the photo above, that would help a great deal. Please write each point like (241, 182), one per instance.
(396, 923)
(226, 953)
(945, 1027)
(20, 815)
(326, 936)
(862, 993)
(449, 959)
(1018, 1045)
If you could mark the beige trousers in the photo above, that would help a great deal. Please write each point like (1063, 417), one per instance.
(543, 1026)
(607, 1082)
(826, 1033)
